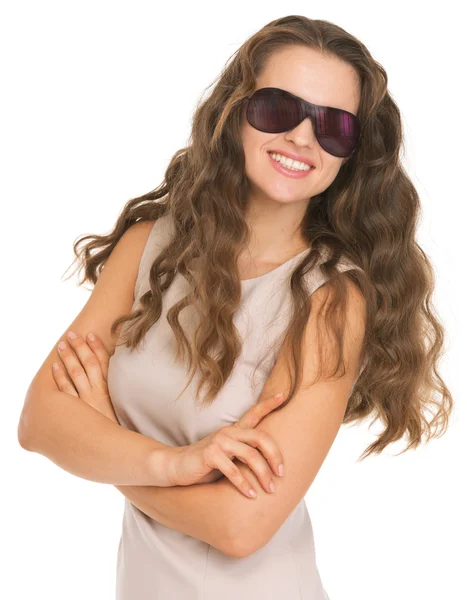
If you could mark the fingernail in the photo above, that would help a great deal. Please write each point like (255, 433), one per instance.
(252, 493)
(91, 337)
(272, 487)
(281, 470)
(62, 346)
(72, 335)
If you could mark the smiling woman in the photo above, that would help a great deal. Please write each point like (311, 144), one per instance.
(198, 336)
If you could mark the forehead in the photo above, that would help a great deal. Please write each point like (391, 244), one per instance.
(307, 73)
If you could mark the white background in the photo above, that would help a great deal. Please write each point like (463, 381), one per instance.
(96, 98)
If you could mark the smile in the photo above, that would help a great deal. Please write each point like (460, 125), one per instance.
(289, 171)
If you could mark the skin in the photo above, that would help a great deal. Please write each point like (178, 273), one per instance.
(276, 203)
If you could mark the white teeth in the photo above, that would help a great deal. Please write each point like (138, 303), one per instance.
(294, 165)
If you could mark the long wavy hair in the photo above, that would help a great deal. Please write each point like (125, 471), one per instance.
(368, 214)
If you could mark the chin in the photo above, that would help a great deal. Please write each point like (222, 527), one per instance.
(282, 200)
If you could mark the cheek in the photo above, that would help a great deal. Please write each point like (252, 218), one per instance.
(254, 148)
(329, 171)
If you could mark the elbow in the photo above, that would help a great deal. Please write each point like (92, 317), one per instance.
(22, 441)
(24, 438)
(242, 548)
(30, 423)
(28, 428)
(24, 424)
(229, 541)
(235, 549)
(245, 541)
(228, 545)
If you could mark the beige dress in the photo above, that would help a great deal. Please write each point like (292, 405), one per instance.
(155, 562)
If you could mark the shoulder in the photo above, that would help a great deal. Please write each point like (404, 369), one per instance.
(324, 296)
(137, 233)
(111, 297)
(127, 253)
(330, 324)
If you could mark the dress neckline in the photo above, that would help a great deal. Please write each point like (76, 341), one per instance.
(245, 282)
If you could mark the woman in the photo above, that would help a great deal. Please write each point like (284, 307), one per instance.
(252, 262)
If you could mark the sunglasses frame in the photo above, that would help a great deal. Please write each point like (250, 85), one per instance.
(308, 109)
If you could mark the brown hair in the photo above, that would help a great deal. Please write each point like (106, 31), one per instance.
(368, 215)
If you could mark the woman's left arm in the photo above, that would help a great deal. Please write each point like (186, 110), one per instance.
(304, 429)
(211, 512)
(200, 510)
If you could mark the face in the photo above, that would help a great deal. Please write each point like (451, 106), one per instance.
(325, 81)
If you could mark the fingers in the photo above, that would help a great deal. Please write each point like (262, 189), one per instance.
(251, 457)
(232, 472)
(62, 381)
(255, 438)
(229, 442)
(100, 351)
(257, 412)
(73, 365)
(82, 363)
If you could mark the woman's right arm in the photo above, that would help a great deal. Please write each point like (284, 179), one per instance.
(69, 432)
(84, 442)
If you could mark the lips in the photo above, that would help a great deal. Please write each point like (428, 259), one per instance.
(293, 156)
(289, 172)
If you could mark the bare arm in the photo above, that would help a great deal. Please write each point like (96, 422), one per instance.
(200, 511)
(73, 434)
(84, 442)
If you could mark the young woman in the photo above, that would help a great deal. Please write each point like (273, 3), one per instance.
(277, 256)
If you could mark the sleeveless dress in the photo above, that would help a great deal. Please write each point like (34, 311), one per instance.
(155, 562)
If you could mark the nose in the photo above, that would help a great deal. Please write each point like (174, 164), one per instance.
(303, 133)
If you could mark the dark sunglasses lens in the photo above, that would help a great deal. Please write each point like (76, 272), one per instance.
(273, 112)
(336, 131)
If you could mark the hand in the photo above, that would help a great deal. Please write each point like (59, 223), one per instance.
(83, 373)
(191, 464)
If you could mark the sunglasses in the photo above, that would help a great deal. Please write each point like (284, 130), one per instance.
(273, 110)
